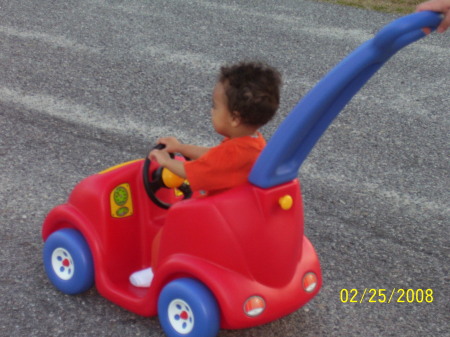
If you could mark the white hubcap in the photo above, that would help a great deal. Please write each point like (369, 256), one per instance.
(62, 264)
(181, 316)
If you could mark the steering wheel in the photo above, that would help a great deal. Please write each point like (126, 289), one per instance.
(160, 178)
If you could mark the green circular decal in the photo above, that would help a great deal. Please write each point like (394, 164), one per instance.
(122, 211)
(120, 195)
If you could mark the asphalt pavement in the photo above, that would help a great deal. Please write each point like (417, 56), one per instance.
(92, 83)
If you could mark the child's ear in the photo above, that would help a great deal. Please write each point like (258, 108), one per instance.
(235, 119)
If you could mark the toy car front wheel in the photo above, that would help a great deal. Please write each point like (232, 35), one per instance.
(68, 261)
(187, 308)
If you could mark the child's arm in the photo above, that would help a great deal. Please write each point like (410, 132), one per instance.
(163, 159)
(187, 150)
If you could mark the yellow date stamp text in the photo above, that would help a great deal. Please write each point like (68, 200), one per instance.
(396, 295)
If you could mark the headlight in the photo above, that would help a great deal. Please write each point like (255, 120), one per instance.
(254, 306)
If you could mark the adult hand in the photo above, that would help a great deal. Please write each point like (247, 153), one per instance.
(442, 6)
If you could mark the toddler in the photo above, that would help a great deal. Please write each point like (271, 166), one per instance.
(245, 97)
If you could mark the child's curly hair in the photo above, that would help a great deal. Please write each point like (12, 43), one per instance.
(252, 90)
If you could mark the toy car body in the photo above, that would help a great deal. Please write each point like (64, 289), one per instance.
(232, 260)
(242, 243)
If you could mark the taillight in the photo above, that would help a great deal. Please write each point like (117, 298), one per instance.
(309, 282)
(254, 306)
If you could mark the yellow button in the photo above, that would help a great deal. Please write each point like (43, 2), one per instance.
(286, 202)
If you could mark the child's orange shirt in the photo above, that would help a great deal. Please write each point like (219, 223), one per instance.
(225, 166)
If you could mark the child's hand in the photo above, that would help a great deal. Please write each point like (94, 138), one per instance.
(172, 144)
(163, 159)
(187, 150)
(160, 156)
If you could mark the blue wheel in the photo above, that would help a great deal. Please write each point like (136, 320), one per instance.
(187, 308)
(68, 261)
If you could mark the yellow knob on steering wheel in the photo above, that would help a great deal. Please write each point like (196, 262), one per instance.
(170, 179)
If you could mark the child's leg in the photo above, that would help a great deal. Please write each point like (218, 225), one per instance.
(143, 278)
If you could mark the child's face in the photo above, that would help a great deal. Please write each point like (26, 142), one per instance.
(222, 118)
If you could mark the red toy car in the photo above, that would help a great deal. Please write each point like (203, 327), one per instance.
(232, 260)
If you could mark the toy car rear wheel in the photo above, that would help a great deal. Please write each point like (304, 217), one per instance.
(186, 307)
(68, 261)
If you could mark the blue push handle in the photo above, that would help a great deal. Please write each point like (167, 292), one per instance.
(281, 159)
